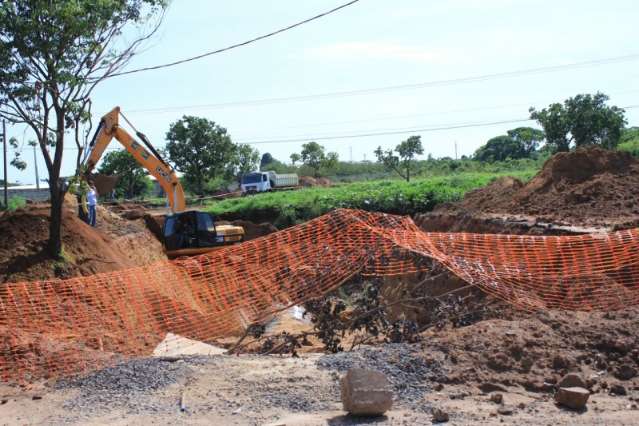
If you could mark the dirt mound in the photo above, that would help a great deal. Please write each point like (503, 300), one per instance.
(115, 244)
(589, 186)
(309, 181)
(534, 351)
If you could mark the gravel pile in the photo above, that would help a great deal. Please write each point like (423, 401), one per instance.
(120, 385)
(403, 365)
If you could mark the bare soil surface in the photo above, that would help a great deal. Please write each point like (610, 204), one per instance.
(586, 188)
(116, 243)
(458, 370)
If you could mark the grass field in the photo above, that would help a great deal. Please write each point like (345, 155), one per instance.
(287, 208)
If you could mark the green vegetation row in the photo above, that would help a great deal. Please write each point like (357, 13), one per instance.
(288, 208)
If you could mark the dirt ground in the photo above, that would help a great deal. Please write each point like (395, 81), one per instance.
(587, 188)
(116, 243)
(457, 370)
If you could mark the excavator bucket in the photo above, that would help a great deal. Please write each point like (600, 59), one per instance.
(104, 184)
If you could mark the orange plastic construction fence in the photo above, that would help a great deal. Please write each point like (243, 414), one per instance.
(57, 328)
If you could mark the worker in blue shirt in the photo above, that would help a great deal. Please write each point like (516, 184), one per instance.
(92, 201)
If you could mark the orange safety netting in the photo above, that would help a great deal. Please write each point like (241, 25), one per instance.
(63, 327)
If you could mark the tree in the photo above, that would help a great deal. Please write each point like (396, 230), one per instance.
(402, 162)
(16, 161)
(132, 178)
(295, 157)
(201, 150)
(584, 120)
(314, 156)
(247, 159)
(528, 137)
(52, 56)
(501, 148)
(267, 159)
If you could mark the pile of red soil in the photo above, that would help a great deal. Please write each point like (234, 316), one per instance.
(589, 186)
(309, 181)
(535, 350)
(115, 244)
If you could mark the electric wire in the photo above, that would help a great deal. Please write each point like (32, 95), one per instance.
(236, 45)
(413, 86)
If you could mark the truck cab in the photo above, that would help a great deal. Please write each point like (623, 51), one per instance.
(256, 182)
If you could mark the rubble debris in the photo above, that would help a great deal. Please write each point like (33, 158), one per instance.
(573, 397)
(366, 392)
(571, 380)
(440, 416)
(497, 398)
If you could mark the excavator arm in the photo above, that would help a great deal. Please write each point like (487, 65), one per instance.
(149, 158)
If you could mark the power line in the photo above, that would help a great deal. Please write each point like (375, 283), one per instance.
(234, 46)
(381, 132)
(427, 84)
(399, 131)
(390, 132)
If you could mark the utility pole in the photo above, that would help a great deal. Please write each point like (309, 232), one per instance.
(4, 149)
(35, 163)
(351, 150)
(455, 150)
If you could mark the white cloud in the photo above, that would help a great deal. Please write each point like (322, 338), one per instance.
(379, 50)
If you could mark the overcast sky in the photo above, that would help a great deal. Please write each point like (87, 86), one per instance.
(372, 44)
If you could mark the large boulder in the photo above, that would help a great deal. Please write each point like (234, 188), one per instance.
(574, 397)
(366, 392)
(572, 380)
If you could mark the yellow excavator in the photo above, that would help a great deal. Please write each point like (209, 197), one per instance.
(185, 233)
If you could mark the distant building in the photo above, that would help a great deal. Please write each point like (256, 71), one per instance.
(30, 192)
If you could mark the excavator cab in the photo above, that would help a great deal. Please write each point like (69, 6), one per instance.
(195, 232)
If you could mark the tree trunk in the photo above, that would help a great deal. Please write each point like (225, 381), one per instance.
(407, 172)
(54, 245)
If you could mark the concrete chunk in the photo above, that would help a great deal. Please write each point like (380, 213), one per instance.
(574, 397)
(366, 392)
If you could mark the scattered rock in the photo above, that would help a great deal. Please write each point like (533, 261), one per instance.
(366, 392)
(505, 410)
(488, 387)
(439, 387)
(497, 398)
(618, 389)
(36, 397)
(561, 362)
(571, 380)
(625, 372)
(439, 416)
(573, 397)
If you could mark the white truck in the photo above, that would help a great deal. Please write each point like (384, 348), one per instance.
(267, 181)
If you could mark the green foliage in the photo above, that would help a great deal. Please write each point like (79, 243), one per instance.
(201, 150)
(391, 196)
(528, 137)
(16, 161)
(402, 162)
(266, 160)
(15, 203)
(314, 156)
(500, 148)
(629, 141)
(132, 178)
(247, 159)
(584, 120)
(295, 158)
